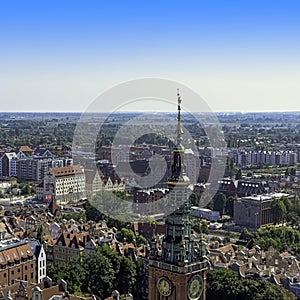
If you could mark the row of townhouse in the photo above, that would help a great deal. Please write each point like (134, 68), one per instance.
(74, 183)
(267, 158)
(31, 167)
(149, 201)
(72, 241)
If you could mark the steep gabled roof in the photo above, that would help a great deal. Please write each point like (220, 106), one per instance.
(90, 175)
(42, 152)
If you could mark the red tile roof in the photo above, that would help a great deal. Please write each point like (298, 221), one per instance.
(67, 171)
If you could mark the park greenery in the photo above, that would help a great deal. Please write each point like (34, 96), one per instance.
(225, 284)
(279, 237)
(19, 189)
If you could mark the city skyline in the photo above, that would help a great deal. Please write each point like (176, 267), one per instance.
(237, 56)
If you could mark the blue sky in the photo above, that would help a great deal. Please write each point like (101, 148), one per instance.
(238, 55)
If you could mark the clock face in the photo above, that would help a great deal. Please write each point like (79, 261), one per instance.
(195, 287)
(164, 286)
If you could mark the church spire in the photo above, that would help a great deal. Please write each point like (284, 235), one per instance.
(178, 167)
(178, 245)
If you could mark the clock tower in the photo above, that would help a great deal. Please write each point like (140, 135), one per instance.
(177, 269)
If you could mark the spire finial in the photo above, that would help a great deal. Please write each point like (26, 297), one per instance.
(179, 130)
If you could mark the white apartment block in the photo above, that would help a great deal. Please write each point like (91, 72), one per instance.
(8, 164)
(266, 158)
(66, 184)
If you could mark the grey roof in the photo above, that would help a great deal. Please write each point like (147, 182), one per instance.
(35, 246)
(42, 152)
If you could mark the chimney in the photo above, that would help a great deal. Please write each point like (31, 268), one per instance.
(62, 285)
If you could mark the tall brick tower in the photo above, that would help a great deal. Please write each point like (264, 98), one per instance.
(177, 271)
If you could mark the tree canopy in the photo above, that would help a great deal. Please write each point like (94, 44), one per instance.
(281, 238)
(99, 273)
(225, 284)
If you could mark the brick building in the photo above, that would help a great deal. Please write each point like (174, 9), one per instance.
(255, 211)
(17, 262)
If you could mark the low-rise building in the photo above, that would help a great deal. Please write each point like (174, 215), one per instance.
(205, 213)
(69, 245)
(255, 211)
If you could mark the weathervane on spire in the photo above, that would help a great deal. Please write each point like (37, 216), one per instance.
(179, 129)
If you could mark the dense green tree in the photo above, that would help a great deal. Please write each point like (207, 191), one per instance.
(287, 203)
(26, 189)
(238, 174)
(72, 273)
(92, 213)
(121, 194)
(230, 205)
(75, 216)
(220, 203)
(224, 284)
(141, 278)
(246, 235)
(128, 236)
(200, 226)
(40, 234)
(99, 275)
(293, 218)
(281, 238)
(140, 240)
(100, 272)
(126, 277)
(279, 210)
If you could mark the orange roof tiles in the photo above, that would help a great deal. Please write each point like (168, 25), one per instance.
(15, 253)
(25, 149)
(67, 171)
